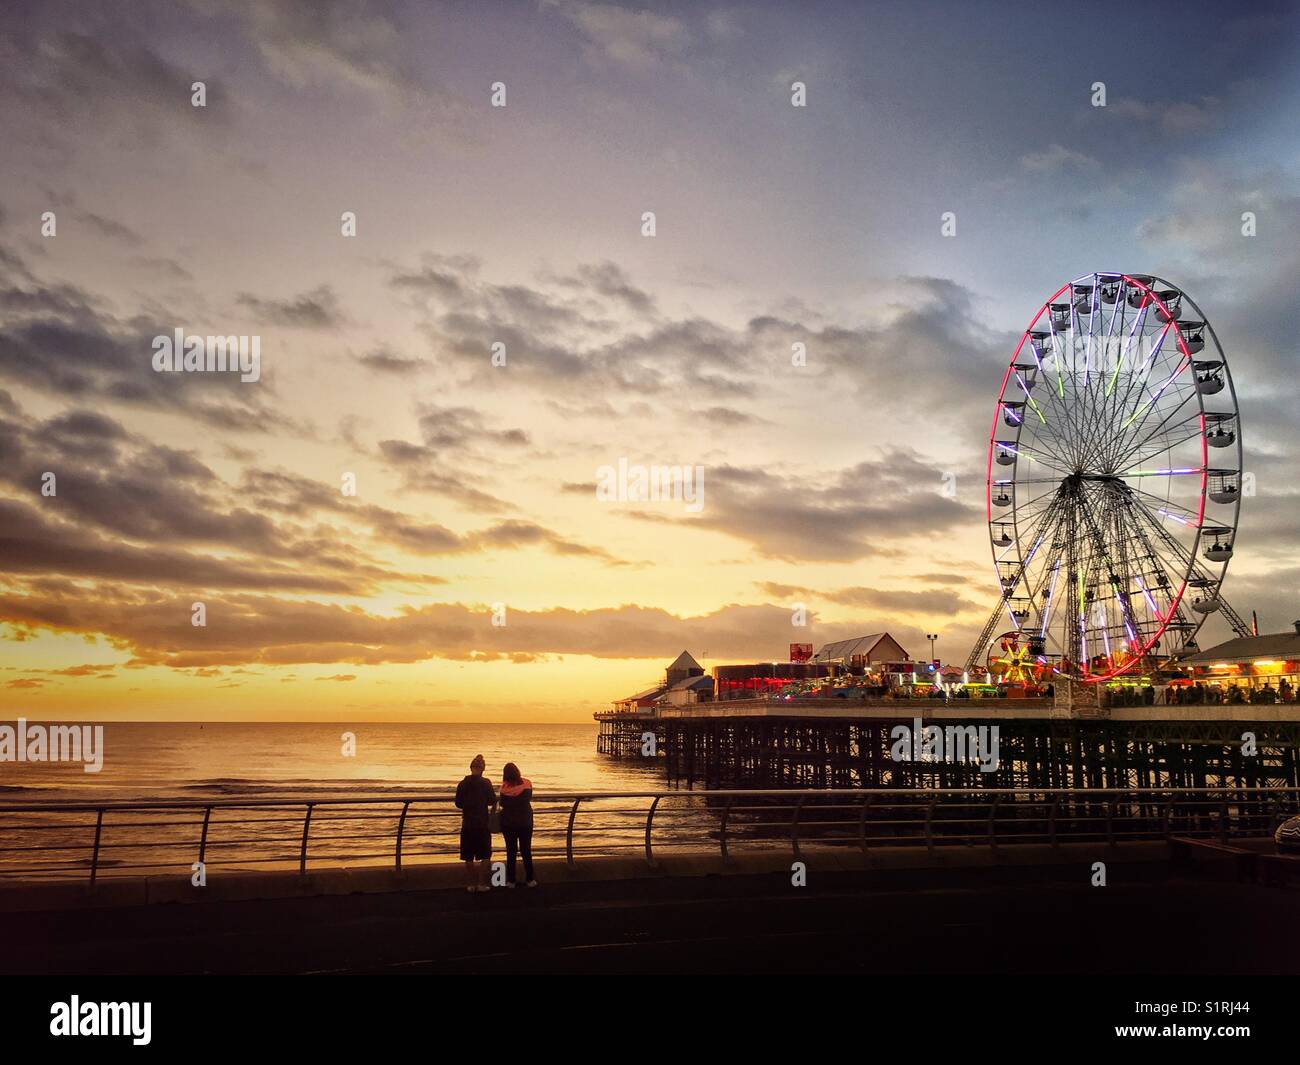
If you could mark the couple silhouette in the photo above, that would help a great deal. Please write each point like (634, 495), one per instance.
(478, 802)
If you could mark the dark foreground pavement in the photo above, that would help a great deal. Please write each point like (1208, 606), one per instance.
(1151, 918)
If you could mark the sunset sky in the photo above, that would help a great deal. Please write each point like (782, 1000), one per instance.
(475, 484)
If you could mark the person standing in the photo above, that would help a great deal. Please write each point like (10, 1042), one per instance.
(474, 799)
(517, 822)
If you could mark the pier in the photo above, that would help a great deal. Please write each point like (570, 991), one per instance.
(839, 743)
(622, 733)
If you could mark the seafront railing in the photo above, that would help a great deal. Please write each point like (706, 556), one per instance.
(41, 841)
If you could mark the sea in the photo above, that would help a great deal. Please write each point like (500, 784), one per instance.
(228, 764)
(184, 760)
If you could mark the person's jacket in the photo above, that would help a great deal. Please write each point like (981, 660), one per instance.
(474, 796)
(517, 806)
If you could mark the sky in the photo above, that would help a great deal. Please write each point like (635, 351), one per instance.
(476, 573)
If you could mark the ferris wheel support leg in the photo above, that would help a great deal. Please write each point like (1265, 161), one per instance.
(982, 643)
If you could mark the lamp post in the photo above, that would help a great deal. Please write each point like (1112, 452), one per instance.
(932, 637)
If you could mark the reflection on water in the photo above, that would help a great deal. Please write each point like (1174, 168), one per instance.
(230, 760)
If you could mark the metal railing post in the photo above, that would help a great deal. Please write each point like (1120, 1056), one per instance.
(203, 836)
(862, 824)
(722, 835)
(1168, 817)
(993, 826)
(1223, 821)
(1051, 820)
(306, 825)
(568, 836)
(94, 858)
(401, 827)
(649, 821)
(794, 827)
(1110, 822)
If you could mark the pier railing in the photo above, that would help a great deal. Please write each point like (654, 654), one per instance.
(95, 841)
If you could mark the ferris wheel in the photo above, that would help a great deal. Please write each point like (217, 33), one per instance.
(1114, 477)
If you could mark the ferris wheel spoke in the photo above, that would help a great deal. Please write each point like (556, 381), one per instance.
(1153, 412)
(1130, 402)
(1054, 404)
(1154, 590)
(1031, 508)
(1056, 356)
(1139, 452)
(1060, 438)
(1167, 507)
(1178, 559)
(1115, 574)
(1036, 453)
(1122, 356)
(1181, 552)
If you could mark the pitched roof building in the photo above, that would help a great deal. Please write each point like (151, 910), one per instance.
(683, 666)
(684, 681)
(1282, 646)
(864, 650)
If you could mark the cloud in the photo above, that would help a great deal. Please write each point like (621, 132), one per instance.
(866, 510)
(384, 361)
(109, 228)
(567, 335)
(31, 544)
(130, 511)
(609, 280)
(350, 43)
(1245, 285)
(613, 34)
(61, 339)
(1175, 118)
(84, 79)
(85, 670)
(276, 632)
(890, 600)
(317, 309)
(452, 440)
(1056, 158)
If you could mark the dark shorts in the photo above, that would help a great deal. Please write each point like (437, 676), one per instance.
(475, 844)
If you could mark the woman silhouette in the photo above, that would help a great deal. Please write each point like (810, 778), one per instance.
(517, 821)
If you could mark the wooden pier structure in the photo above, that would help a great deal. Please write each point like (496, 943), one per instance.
(622, 733)
(835, 743)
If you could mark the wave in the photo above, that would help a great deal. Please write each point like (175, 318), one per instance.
(240, 786)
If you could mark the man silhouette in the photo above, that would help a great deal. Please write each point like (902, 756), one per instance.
(474, 798)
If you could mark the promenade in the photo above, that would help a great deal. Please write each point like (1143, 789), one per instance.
(1165, 909)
